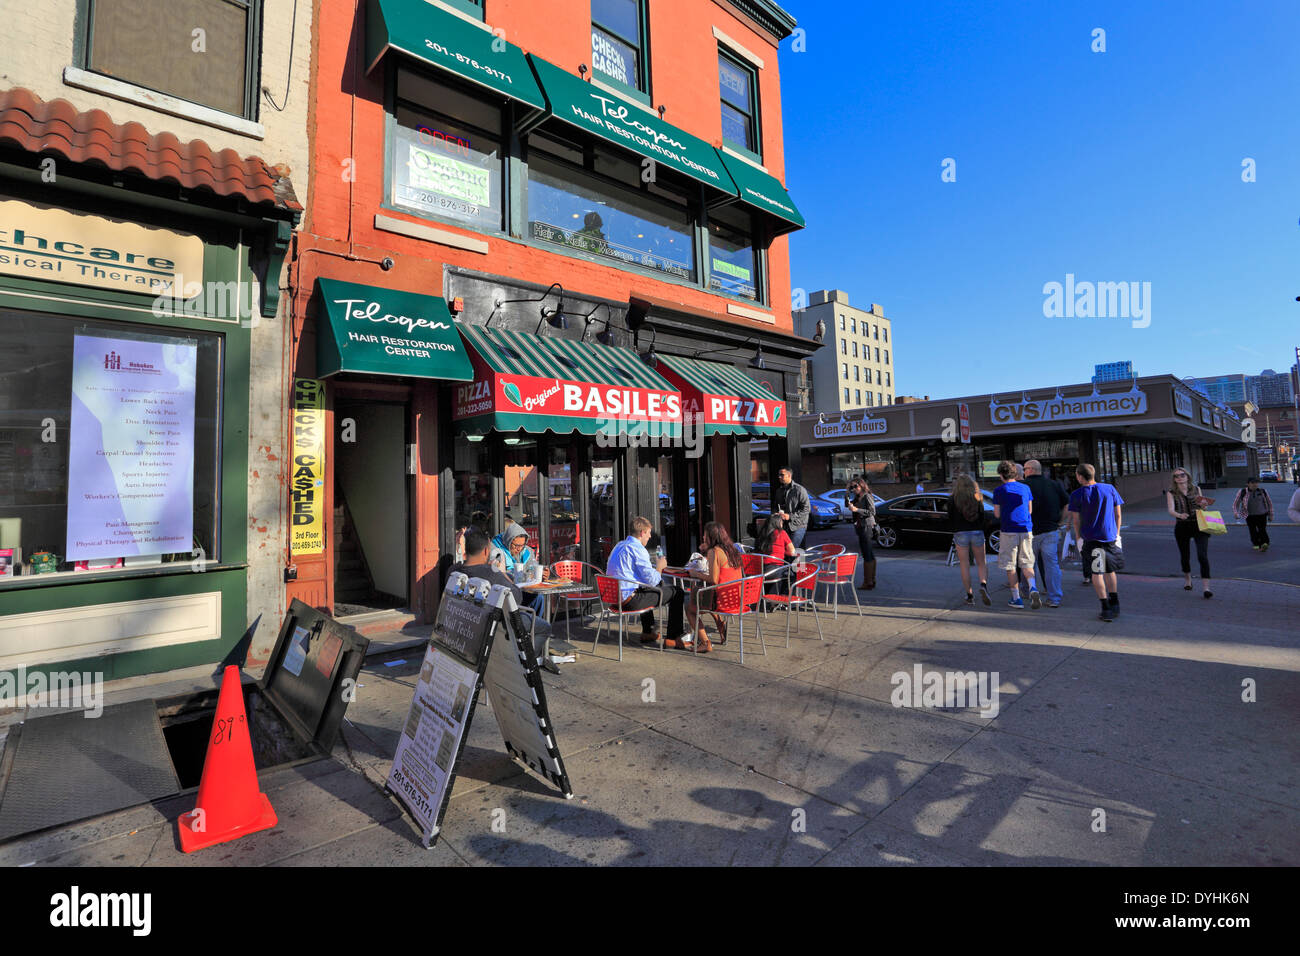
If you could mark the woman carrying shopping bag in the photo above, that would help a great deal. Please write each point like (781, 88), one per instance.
(1184, 501)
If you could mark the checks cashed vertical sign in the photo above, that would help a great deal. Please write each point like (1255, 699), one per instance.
(307, 482)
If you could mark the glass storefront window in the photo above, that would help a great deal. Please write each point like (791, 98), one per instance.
(919, 464)
(576, 209)
(520, 488)
(845, 466)
(733, 263)
(604, 506)
(110, 444)
(472, 478)
(563, 531)
(446, 157)
(959, 460)
(880, 465)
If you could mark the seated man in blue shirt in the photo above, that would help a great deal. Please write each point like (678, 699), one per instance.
(641, 583)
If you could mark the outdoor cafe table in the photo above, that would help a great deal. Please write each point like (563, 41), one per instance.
(549, 590)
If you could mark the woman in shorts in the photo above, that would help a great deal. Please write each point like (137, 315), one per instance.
(966, 511)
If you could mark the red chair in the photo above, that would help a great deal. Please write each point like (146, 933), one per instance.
(836, 571)
(574, 571)
(610, 592)
(803, 592)
(739, 599)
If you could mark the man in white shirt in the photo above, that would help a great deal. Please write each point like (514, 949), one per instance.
(641, 580)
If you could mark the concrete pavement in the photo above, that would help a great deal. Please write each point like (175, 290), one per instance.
(800, 756)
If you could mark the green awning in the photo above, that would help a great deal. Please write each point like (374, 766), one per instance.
(727, 400)
(593, 110)
(387, 332)
(763, 192)
(418, 29)
(561, 385)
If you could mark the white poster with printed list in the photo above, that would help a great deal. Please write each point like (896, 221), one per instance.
(131, 447)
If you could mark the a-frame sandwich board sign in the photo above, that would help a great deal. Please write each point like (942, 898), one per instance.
(470, 618)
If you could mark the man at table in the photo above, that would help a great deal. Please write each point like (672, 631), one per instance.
(641, 582)
(478, 548)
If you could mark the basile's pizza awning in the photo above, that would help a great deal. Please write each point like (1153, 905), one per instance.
(726, 401)
(561, 385)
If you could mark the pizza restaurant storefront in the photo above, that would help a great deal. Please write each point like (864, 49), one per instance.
(417, 423)
(1134, 437)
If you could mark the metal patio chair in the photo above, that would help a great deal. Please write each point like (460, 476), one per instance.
(575, 571)
(610, 593)
(835, 572)
(739, 599)
(803, 592)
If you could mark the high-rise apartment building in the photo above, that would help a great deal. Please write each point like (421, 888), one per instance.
(1221, 388)
(1113, 372)
(854, 368)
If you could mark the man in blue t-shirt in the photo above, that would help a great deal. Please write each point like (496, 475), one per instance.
(1013, 504)
(1098, 518)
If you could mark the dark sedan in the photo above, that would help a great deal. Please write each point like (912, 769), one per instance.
(924, 518)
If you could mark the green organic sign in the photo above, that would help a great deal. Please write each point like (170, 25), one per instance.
(440, 173)
(728, 268)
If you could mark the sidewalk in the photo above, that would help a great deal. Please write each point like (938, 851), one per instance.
(800, 757)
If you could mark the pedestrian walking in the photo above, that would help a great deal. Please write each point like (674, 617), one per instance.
(1049, 506)
(920, 487)
(1255, 507)
(790, 501)
(1293, 508)
(966, 512)
(863, 508)
(1098, 517)
(1183, 500)
(1013, 504)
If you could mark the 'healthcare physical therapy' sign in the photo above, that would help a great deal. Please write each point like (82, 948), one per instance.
(131, 447)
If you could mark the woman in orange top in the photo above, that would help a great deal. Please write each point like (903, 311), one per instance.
(724, 566)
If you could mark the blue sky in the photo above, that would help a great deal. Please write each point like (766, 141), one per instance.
(1117, 166)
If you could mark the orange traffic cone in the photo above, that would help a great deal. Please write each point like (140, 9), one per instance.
(230, 803)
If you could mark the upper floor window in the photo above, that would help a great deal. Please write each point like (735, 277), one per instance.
(875, 330)
(203, 51)
(853, 326)
(857, 396)
(886, 356)
(739, 84)
(733, 259)
(886, 335)
(844, 346)
(618, 43)
(446, 156)
(877, 354)
(594, 201)
(846, 395)
(844, 370)
(855, 349)
(842, 323)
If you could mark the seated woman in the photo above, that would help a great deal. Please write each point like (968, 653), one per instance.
(510, 553)
(775, 542)
(724, 565)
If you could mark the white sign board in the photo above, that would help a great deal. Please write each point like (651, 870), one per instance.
(131, 447)
(845, 428)
(1060, 408)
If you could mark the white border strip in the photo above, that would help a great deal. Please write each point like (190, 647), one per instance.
(754, 314)
(130, 93)
(737, 49)
(417, 231)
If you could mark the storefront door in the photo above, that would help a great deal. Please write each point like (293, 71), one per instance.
(372, 521)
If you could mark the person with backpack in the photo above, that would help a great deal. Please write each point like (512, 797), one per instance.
(1255, 507)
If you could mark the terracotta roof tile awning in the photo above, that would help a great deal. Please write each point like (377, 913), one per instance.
(31, 124)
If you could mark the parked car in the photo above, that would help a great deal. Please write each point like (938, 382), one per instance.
(839, 498)
(924, 518)
(760, 514)
(1268, 474)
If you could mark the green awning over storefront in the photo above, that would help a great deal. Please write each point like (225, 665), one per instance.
(727, 400)
(593, 110)
(763, 192)
(561, 385)
(418, 29)
(386, 332)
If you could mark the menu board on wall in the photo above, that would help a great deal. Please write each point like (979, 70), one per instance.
(131, 447)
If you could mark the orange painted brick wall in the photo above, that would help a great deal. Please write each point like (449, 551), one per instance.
(348, 137)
